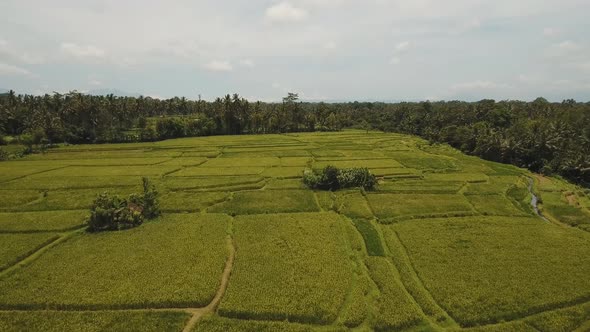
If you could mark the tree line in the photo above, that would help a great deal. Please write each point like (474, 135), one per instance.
(552, 138)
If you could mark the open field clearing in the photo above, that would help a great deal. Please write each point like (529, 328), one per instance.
(445, 242)
(278, 273)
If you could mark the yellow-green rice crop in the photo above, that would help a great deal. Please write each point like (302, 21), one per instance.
(411, 205)
(191, 201)
(14, 247)
(92, 321)
(487, 269)
(494, 205)
(268, 201)
(23, 222)
(184, 254)
(289, 267)
(395, 309)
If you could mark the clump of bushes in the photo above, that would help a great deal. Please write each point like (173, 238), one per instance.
(332, 178)
(111, 212)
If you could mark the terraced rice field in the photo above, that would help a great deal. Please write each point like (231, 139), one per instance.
(446, 242)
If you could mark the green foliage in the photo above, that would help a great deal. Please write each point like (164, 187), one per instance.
(148, 200)
(332, 178)
(109, 213)
(131, 269)
(4, 155)
(371, 237)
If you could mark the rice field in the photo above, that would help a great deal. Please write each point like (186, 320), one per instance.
(446, 242)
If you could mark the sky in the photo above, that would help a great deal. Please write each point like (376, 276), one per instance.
(331, 50)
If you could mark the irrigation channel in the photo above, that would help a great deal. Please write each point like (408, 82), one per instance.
(535, 200)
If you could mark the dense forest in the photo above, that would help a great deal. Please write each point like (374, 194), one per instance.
(552, 138)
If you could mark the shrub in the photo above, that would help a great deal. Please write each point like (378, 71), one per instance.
(4, 155)
(113, 213)
(110, 212)
(332, 178)
(148, 200)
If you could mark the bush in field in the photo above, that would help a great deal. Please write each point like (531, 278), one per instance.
(148, 200)
(110, 212)
(4, 155)
(332, 178)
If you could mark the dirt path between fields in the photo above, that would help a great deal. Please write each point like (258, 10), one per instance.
(197, 313)
(535, 200)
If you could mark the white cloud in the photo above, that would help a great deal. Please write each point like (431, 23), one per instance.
(82, 51)
(219, 65)
(330, 45)
(10, 70)
(15, 54)
(94, 82)
(478, 85)
(550, 32)
(285, 12)
(394, 60)
(246, 63)
(402, 47)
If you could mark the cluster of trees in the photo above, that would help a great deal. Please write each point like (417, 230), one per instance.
(80, 118)
(111, 212)
(551, 138)
(333, 178)
(539, 135)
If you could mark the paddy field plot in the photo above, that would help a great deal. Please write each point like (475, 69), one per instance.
(176, 260)
(488, 269)
(445, 242)
(290, 267)
(268, 201)
(394, 206)
(92, 321)
(41, 221)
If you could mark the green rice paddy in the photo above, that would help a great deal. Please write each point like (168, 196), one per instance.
(446, 242)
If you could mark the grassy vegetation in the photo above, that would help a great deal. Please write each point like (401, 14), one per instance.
(354, 205)
(468, 273)
(42, 221)
(56, 321)
(396, 310)
(290, 267)
(110, 270)
(402, 205)
(189, 201)
(221, 324)
(415, 254)
(271, 201)
(494, 205)
(14, 247)
(371, 237)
